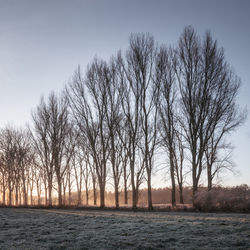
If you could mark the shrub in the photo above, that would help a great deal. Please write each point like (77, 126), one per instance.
(236, 199)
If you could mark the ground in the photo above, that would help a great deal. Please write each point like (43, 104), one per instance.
(95, 229)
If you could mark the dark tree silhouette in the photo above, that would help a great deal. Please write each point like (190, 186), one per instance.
(111, 121)
(208, 90)
(89, 112)
(51, 131)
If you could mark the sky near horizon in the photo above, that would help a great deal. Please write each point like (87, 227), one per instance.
(42, 42)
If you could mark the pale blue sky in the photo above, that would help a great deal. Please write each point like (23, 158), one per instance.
(42, 42)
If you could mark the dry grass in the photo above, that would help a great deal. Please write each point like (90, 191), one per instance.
(110, 229)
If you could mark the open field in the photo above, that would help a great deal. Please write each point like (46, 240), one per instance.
(97, 229)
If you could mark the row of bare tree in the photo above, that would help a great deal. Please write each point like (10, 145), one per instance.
(113, 120)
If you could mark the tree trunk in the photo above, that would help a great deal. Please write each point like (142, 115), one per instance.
(150, 202)
(79, 199)
(10, 192)
(38, 198)
(172, 181)
(209, 177)
(64, 195)
(87, 196)
(46, 195)
(69, 189)
(70, 196)
(25, 198)
(59, 192)
(4, 191)
(50, 194)
(19, 196)
(16, 196)
(94, 191)
(102, 195)
(181, 194)
(38, 194)
(125, 188)
(116, 196)
(134, 196)
(195, 189)
(31, 197)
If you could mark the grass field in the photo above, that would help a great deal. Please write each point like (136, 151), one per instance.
(102, 229)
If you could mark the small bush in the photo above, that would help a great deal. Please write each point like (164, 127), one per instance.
(236, 199)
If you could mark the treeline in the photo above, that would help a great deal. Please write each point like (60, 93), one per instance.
(230, 199)
(109, 123)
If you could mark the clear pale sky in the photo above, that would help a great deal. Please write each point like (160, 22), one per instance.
(42, 42)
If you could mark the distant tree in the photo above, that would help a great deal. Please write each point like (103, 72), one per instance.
(25, 160)
(52, 128)
(42, 144)
(9, 151)
(3, 178)
(16, 153)
(59, 130)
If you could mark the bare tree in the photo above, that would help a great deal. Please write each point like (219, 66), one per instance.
(113, 117)
(42, 144)
(228, 115)
(59, 129)
(15, 163)
(167, 102)
(193, 99)
(184, 98)
(51, 130)
(208, 90)
(131, 111)
(90, 117)
(139, 91)
(25, 159)
(9, 150)
(3, 178)
(143, 57)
